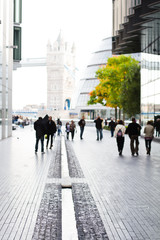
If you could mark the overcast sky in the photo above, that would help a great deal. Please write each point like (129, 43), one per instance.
(85, 22)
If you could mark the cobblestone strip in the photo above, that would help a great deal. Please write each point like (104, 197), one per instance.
(55, 165)
(48, 224)
(89, 223)
(75, 170)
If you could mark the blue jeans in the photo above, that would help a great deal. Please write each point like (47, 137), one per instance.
(99, 134)
(112, 132)
(42, 143)
(81, 132)
(48, 137)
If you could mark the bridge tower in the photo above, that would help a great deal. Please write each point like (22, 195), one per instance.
(60, 75)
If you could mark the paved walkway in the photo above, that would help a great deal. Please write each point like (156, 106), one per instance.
(122, 192)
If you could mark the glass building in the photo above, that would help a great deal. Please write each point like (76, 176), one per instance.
(136, 29)
(88, 81)
(9, 12)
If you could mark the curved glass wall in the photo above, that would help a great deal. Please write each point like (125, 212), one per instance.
(89, 81)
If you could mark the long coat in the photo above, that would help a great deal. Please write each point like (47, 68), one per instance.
(39, 128)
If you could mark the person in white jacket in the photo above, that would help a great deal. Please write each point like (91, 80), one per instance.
(119, 134)
(149, 133)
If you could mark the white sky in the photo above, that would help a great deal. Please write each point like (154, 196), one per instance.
(85, 22)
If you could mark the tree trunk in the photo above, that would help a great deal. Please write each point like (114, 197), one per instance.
(116, 114)
(119, 113)
(123, 116)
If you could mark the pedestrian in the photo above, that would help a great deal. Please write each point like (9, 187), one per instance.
(119, 134)
(112, 126)
(82, 124)
(40, 131)
(72, 129)
(157, 127)
(149, 132)
(105, 122)
(98, 121)
(51, 130)
(133, 130)
(67, 129)
(59, 126)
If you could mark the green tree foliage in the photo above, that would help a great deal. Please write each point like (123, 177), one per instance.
(119, 85)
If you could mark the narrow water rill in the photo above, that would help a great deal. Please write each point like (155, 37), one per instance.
(69, 230)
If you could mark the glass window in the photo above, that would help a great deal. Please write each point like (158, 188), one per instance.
(17, 42)
(18, 11)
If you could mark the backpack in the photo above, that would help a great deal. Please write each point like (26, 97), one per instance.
(119, 133)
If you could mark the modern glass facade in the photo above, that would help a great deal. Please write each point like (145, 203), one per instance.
(139, 31)
(88, 82)
(17, 30)
(6, 62)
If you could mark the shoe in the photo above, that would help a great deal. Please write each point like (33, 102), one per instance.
(50, 148)
(120, 153)
(132, 154)
(97, 139)
(137, 153)
(43, 152)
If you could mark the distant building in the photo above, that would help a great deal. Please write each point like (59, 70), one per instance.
(60, 75)
(89, 81)
(10, 48)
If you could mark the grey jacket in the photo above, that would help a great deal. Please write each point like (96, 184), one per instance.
(149, 131)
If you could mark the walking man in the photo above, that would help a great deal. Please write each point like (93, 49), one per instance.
(98, 123)
(40, 131)
(133, 131)
(81, 123)
(112, 126)
(51, 129)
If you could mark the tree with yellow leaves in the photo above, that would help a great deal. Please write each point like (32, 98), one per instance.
(119, 85)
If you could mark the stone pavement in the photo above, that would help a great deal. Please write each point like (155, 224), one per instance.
(115, 197)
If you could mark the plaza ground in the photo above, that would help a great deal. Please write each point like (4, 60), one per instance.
(121, 193)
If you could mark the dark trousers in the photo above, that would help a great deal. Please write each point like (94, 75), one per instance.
(81, 132)
(99, 134)
(67, 135)
(72, 134)
(112, 132)
(42, 143)
(120, 143)
(50, 136)
(134, 144)
(148, 145)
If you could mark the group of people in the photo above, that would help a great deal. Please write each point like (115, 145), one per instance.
(45, 127)
(71, 127)
(117, 129)
(133, 130)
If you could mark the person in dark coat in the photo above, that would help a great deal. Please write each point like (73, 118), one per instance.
(133, 131)
(51, 129)
(112, 126)
(59, 126)
(72, 129)
(40, 131)
(157, 127)
(81, 123)
(98, 123)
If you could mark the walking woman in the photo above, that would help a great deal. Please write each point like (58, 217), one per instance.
(119, 134)
(72, 129)
(149, 132)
